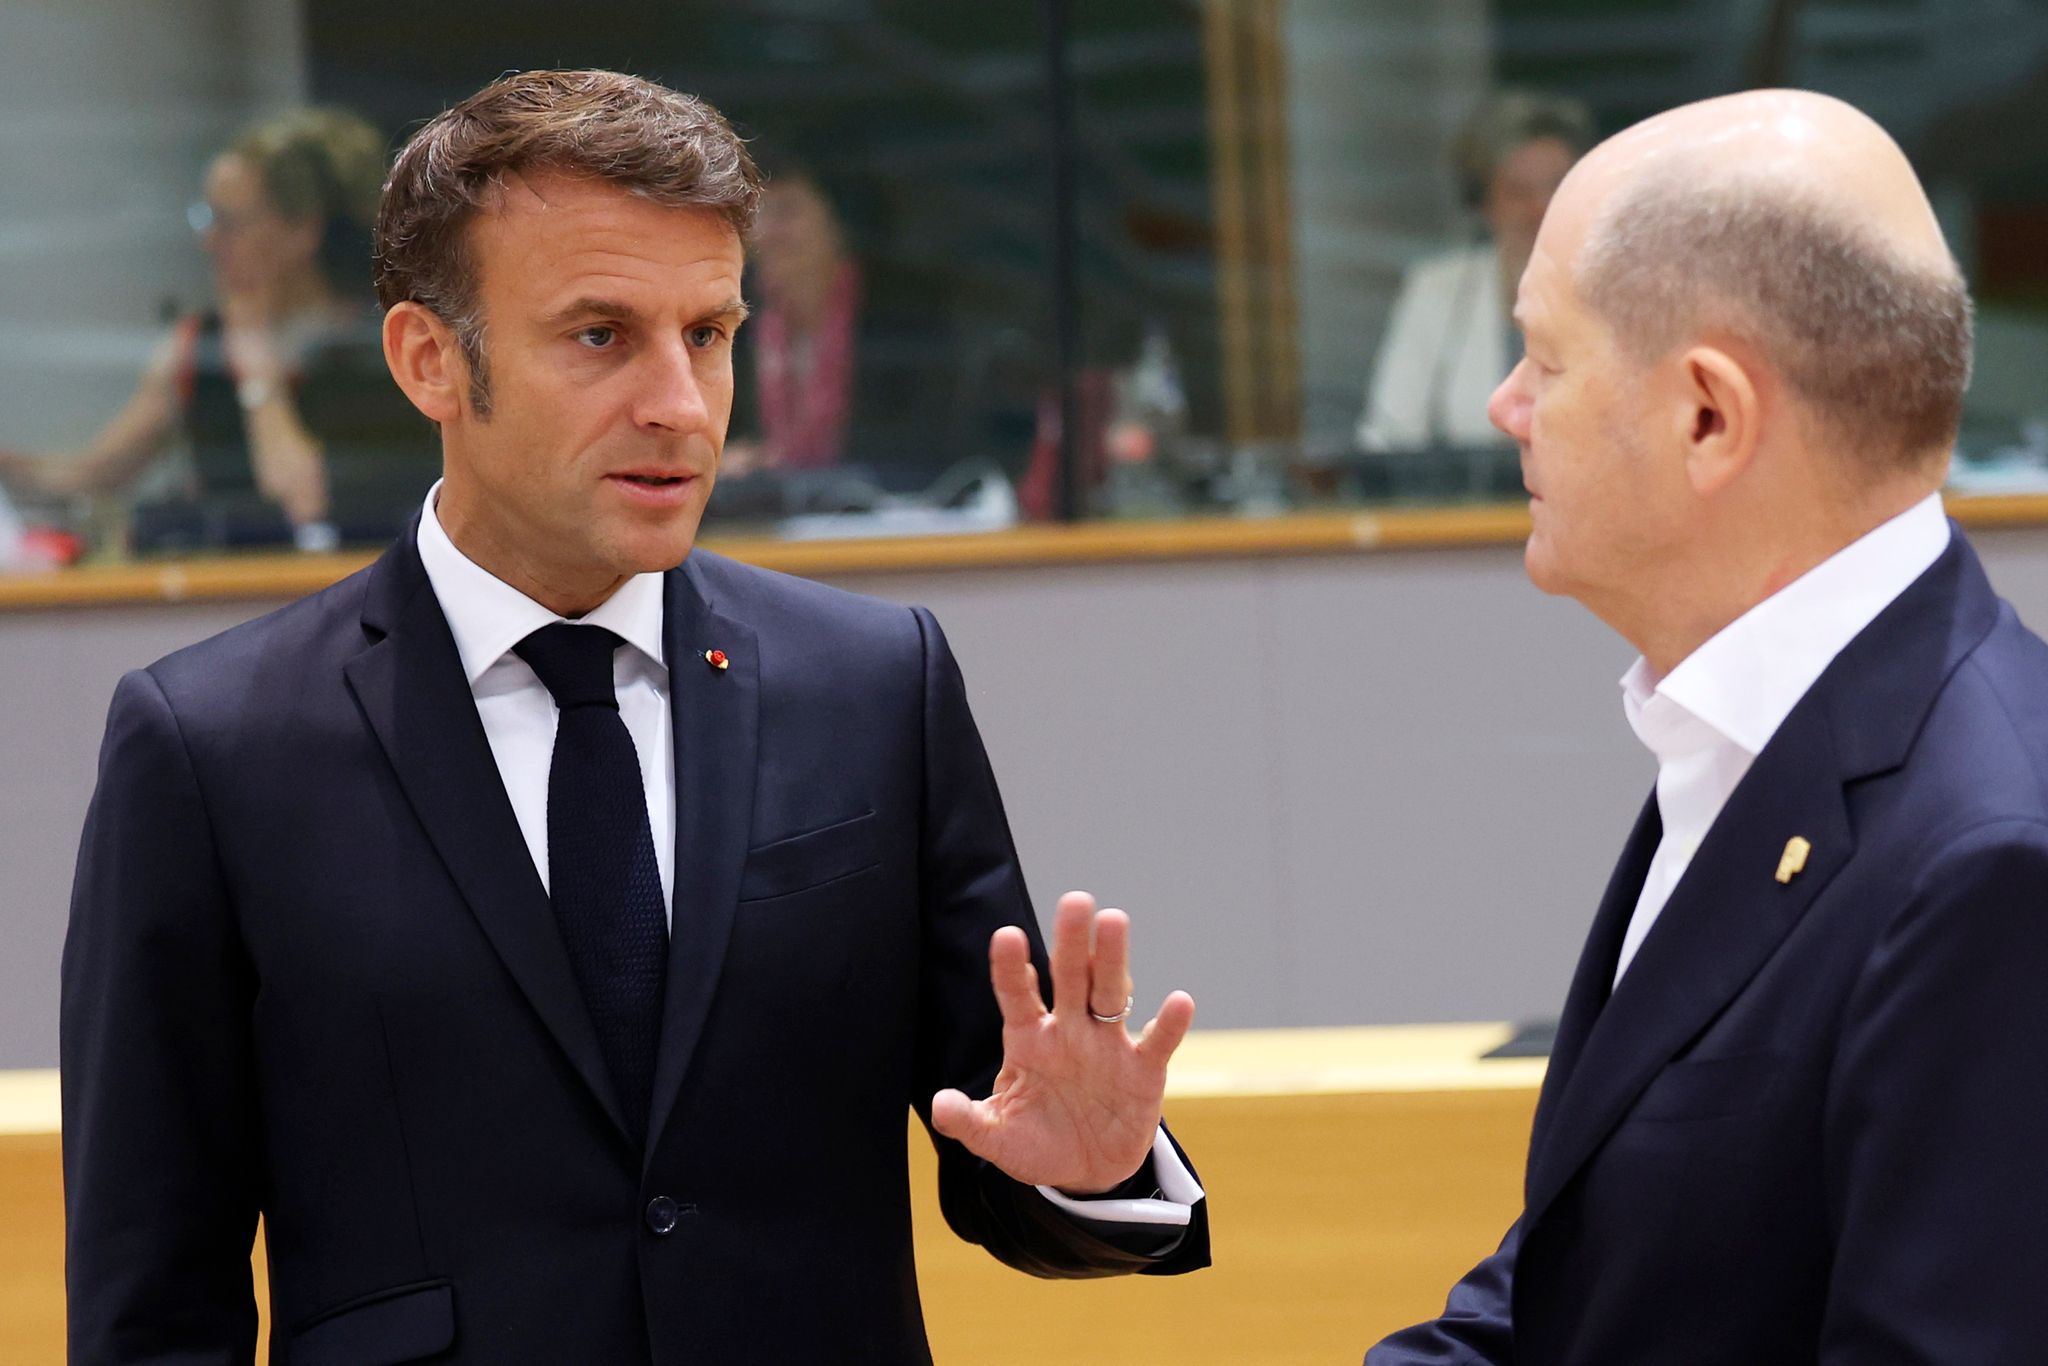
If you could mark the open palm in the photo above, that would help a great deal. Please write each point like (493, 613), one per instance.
(1078, 1099)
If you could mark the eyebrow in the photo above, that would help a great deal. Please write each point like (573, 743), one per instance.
(734, 308)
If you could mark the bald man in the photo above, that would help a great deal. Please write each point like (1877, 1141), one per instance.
(1798, 1107)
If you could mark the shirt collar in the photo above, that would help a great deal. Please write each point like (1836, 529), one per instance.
(488, 616)
(1745, 681)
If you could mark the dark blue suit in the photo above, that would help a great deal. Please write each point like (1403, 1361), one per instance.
(1811, 1123)
(312, 972)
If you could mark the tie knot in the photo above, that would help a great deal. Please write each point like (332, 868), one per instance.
(574, 663)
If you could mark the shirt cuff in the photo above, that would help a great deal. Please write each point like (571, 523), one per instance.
(1173, 1205)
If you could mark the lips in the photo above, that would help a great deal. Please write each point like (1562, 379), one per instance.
(655, 488)
(653, 478)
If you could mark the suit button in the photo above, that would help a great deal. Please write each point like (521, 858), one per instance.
(661, 1214)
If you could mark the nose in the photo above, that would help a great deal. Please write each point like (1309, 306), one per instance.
(1508, 408)
(671, 394)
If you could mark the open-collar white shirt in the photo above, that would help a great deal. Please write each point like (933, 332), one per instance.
(488, 617)
(1708, 719)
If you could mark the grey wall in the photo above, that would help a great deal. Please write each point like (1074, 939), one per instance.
(1355, 789)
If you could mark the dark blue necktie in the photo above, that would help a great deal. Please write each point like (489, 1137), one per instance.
(603, 880)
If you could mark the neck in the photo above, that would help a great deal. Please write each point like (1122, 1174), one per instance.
(1707, 591)
(498, 551)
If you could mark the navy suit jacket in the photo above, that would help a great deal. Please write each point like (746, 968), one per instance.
(312, 972)
(1810, 1125)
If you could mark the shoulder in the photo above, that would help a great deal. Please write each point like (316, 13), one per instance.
(1949, 879)
(773, 602)
(1980, 762)
(2004, 682)
(246, 670)
(842, 663)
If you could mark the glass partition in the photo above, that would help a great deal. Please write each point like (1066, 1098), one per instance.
(1125, 259)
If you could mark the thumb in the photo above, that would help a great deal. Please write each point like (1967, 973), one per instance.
(967, 1122)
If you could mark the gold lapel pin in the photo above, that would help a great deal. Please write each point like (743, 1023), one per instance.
(1793, 860)
(716, 659)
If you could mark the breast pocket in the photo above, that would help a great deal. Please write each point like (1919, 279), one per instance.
(811, 859)
(1708, 1088)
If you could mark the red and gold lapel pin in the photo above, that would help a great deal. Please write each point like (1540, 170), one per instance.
(717, 660)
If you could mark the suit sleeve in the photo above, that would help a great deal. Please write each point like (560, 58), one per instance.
(971, 885)
(1937, 1118)
(1476, 1327)
(161, 1157)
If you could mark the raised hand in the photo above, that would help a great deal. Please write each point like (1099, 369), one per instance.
(1078, 1099)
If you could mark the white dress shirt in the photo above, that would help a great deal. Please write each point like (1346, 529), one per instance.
(1708, 719)
(488, 617)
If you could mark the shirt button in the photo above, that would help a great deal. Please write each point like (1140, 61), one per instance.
(661, 1214)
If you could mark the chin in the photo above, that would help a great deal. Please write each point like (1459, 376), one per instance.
(655, 550)
(1541, 568)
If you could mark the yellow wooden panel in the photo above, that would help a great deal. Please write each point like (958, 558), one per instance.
(31, 1249)
(1338, 1218)
(1342, 1211)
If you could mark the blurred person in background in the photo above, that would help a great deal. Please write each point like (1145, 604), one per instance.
(1449, 338)
(279, 391)
(803, 338)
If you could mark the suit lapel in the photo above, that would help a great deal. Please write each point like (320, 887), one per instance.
(715, 715)
(1723, 920)
(1729, 912)
(411, 689)
(1590, 983)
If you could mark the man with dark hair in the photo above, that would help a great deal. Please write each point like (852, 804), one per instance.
(548, 929)
(1795, 1109)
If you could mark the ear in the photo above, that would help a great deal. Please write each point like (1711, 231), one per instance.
(426, 360)
(1719, 418)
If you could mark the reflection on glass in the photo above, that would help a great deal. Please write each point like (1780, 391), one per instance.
(1450, 338)
(1297, 226)
(803, 332)
(291, 430)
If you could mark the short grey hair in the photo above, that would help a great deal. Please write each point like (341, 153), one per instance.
(1877, 347)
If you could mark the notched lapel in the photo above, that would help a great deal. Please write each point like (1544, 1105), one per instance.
(1725, 918)
(1730, 912)
(411, 688)
(1595, 972)
(716, 717)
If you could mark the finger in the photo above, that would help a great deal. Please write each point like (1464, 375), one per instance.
(1109, 970)
(1163, 1033)
(1015, 980)
(1070, 931)
(970, 1123)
